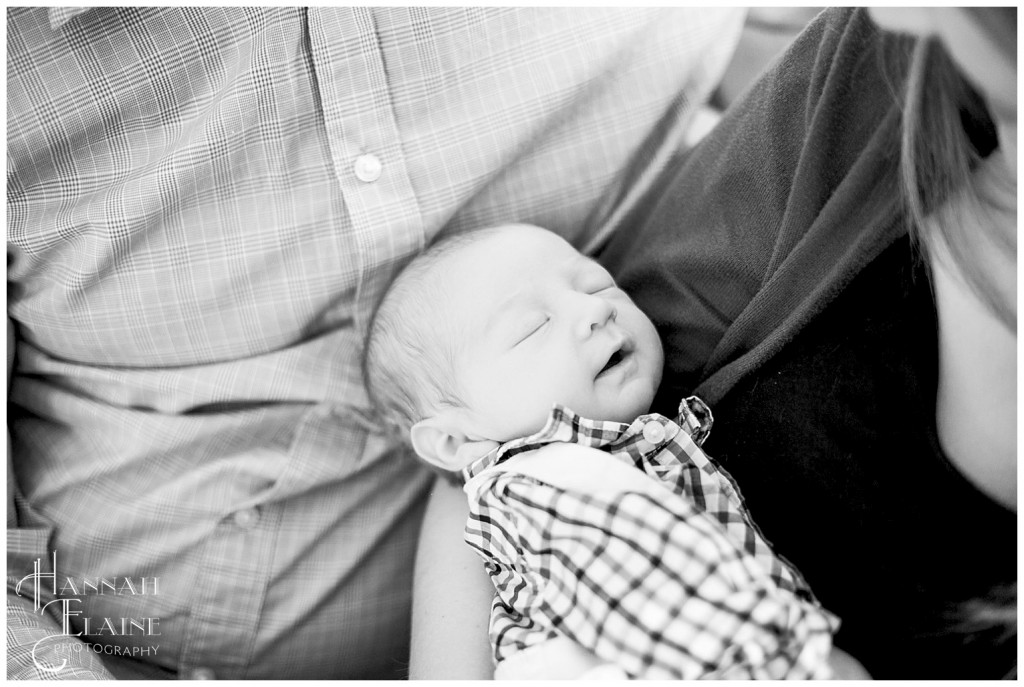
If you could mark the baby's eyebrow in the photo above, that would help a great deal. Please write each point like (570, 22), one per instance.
(586, 263)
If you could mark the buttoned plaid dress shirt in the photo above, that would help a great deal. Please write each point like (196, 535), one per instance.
(204, 206)
(679, 585)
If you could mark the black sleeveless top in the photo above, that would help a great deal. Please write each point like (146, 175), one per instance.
(833, 443)
(774, 261)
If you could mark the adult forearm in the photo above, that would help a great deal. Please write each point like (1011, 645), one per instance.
(451, 596)
(11, 343)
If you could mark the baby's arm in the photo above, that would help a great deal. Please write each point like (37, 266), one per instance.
(846, 667)
(558, 658)
(561, 658)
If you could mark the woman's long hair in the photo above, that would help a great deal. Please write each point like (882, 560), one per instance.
(946, 132)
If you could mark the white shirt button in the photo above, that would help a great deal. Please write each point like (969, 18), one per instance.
(654, 432)
(247, 518)
(202, 674)
(368, 168)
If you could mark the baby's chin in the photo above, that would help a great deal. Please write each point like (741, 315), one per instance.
(627, 415)
(629, 405)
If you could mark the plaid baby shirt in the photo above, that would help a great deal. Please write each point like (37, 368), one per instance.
(667, 583)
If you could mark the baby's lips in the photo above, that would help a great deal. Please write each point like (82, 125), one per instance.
(621, 342)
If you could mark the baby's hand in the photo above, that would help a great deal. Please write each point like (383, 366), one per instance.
(846, 667)
(558, 658)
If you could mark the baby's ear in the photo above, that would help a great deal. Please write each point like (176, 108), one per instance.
(438, 442)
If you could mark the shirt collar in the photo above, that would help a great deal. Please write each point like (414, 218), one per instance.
(566, 426)
(59, 16)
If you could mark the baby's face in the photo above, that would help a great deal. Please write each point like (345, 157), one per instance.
(541, 324)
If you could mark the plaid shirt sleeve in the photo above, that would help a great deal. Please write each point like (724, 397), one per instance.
(691, 473)
(492, 531)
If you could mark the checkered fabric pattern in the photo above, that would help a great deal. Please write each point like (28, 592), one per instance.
(204, 205)
(675, 587)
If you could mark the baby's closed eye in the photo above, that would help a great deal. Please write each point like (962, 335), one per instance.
(533, 326)
(594, 279)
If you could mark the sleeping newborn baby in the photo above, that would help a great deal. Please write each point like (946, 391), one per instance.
(506, 355)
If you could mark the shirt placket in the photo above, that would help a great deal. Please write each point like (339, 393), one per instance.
(365, 146)
(385, 221)
(225, 613)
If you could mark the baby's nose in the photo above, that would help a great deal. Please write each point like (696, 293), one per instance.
(597, 313)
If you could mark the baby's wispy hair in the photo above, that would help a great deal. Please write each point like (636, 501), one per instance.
(408, 363)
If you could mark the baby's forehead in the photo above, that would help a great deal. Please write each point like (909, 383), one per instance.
(475, 276)
(464, 284)
(521, 250)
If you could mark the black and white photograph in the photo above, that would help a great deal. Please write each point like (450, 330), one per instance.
(511, 343)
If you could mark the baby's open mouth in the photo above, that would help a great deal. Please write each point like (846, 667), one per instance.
(617, 357)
